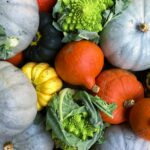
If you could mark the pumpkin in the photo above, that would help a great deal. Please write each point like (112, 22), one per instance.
(46, 43)
(46, 5)
(17, 100)
(121, 87)
(125, 39)
(121, 137)
(19, 21)
(33, 138)
(139, 118)
(17, 59)
(79, 62)
(45, 81)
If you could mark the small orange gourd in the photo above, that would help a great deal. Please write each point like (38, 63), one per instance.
(79, 62)
(139, 118)
(121, 87)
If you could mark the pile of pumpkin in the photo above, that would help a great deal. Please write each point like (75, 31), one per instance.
(47, 64)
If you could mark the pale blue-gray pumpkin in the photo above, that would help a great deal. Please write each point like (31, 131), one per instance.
(125, 41)
(33, 138)
(17, 100)
(19, 21)
(121, 137)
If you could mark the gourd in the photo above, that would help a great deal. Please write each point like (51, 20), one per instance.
(79, 62)
(33, 138)
(17, 59)
(46, 43)
(46, 5)
(139, 118)
(121, 137)
(125, 40)
(44, 79)
(17, 100)
(19, 21)
(121, 87)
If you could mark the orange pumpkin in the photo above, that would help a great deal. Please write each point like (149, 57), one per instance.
(139, 118)
(79, 62)
(121, 87)
(17, 59)
(46, 5)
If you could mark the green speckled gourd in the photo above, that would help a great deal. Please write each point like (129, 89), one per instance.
(82, 14)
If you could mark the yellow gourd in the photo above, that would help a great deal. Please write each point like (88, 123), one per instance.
(44, 79)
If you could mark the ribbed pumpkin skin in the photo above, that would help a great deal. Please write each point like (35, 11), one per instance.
(33, 138)
(121, 137)
(20, 18)
(117, 86)
(17, 101)
(123, 44)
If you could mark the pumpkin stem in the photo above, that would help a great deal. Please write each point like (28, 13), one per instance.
(143, 27)
(129, 103)
(95, 88)
(8, 146)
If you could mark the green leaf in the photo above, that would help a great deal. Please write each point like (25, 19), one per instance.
(120, 6)
(67, 103)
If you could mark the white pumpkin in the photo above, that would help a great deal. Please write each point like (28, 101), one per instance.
(20, 19)
(121, 137)
(17, 100)
(33, 138)
(126, 39)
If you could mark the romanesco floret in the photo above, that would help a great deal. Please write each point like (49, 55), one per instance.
(80, 126)
(82, 14)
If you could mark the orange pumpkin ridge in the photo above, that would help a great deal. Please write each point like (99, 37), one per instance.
(117, 86)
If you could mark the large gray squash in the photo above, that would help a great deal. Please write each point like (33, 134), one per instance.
(125, 41)
(121, 137)
(17, 101)
(19, 19)
(33, 138)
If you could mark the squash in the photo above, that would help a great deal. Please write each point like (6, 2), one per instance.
(121, 87)
(46, 5)
(45, 81)
(19, 21)
(125, 39)
(33, 138)
(139, 118)
(79, 62)
(17, 100)
(46, 43)
(121, 137)
(17, 59)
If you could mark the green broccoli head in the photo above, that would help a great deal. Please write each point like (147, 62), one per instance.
(82, 14)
